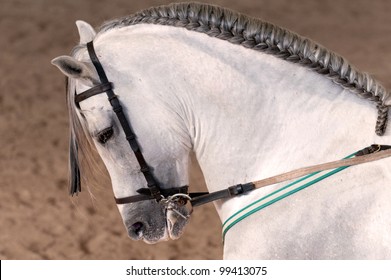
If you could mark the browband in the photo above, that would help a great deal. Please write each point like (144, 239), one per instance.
(93, 91)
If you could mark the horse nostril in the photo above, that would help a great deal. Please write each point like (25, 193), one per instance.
(137, 227)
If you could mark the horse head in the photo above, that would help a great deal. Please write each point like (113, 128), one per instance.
(150, 215)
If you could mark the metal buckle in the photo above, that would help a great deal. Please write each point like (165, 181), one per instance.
(177, 199)
(378, 148)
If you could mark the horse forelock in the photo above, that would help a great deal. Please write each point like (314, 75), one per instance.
(265, 37)
(82, 159)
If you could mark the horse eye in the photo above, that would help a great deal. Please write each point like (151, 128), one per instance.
(104, 135)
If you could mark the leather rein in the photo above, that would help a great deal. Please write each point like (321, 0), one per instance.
(180, 194)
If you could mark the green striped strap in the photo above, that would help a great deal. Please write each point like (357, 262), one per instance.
(277, 196)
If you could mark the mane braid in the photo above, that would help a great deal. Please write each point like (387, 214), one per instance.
(265, 37)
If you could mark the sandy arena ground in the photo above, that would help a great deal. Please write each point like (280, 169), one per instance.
(38, 220)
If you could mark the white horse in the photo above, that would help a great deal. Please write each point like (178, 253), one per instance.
(251, 100)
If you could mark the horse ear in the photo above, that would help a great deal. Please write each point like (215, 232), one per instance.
(73, 68)
(86, 31)
(387, 100)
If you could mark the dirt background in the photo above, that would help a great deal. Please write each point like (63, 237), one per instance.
(37, 218)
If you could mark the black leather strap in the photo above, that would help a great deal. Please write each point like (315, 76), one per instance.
(198, 199)
(153, 191)
(130, 136)
(93, 91)
(372, 149)
(145, 194)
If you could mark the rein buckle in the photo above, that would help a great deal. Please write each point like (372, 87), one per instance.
(173, 201)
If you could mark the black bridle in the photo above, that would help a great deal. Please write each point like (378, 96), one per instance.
(153, 191)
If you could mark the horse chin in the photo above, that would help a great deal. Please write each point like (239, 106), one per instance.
(163, 225)
(163, 238)
(173, 230)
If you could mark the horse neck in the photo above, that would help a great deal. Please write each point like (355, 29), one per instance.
(253, 116)
(273, 117)
(249, 115)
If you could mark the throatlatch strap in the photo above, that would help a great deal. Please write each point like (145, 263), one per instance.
(130, 136)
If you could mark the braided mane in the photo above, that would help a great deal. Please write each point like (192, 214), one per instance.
(265, 37)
